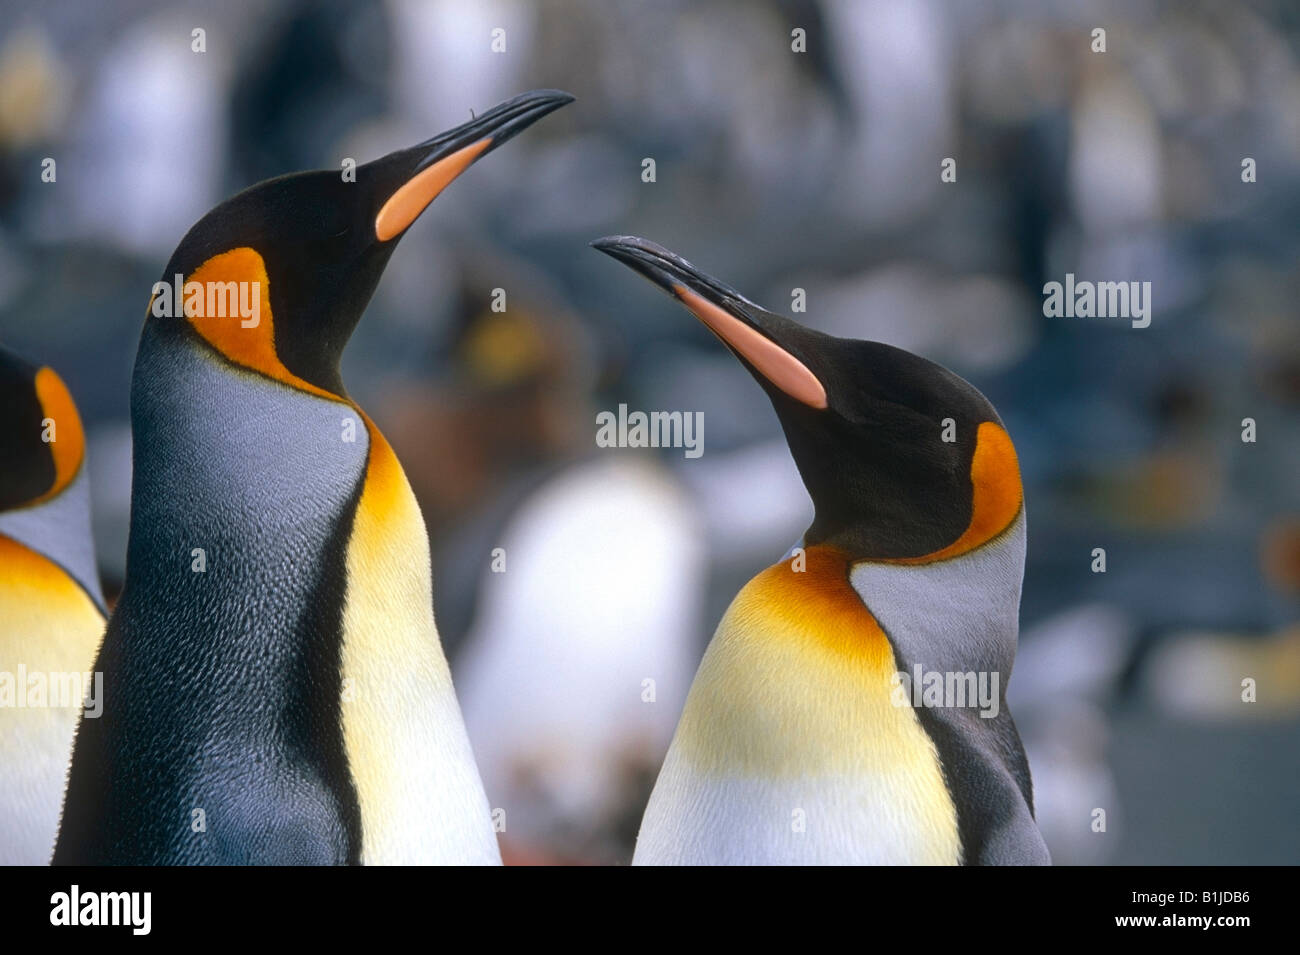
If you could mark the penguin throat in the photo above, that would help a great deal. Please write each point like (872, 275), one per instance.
(886, 514)
(245, 336)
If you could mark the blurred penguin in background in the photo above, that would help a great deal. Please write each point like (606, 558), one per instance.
(569, 578)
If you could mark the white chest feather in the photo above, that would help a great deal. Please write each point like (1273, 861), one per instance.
(421, 798)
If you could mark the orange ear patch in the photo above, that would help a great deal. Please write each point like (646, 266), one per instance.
(69, 445)
(249, 342)
(995, 474)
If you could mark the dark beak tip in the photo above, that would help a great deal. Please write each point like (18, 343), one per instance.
(643, 257)
(610, 244)
(665, 268)
(541, 102)
(538, 103)
(498, 125)
(632, 246)
(559, 97)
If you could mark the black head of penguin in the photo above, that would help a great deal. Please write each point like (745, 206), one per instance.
(28, 470)
(41, 441)
(315, 245)
(891, 478)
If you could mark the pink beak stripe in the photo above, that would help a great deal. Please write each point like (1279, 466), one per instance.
(771, 361)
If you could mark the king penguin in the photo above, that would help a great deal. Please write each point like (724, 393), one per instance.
(800, 741)
(276, 691)
(51, 608)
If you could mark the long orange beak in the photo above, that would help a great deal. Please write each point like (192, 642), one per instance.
(421, 172)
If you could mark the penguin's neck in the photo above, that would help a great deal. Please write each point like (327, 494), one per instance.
(59, 530)
(795, 745)
(316, 593)
(261, 492)
(792, 747)
(241, 480)
(955, 615)
(810, 655)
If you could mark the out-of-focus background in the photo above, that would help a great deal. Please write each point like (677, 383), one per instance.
(773, 170)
